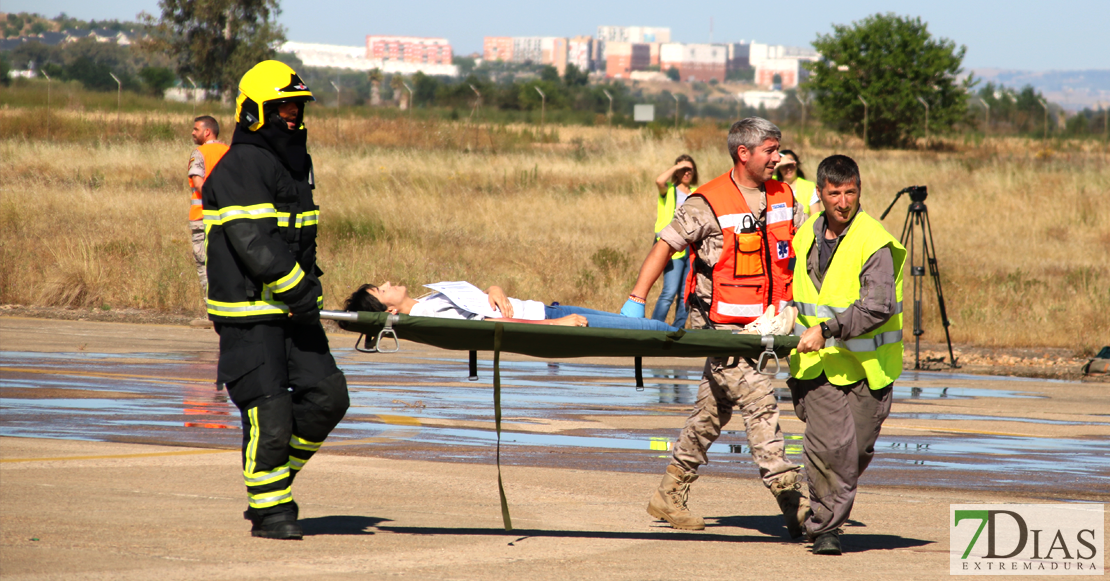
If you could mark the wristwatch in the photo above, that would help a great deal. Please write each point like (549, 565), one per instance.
(826, 332)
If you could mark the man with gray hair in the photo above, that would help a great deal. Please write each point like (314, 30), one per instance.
(738, 228)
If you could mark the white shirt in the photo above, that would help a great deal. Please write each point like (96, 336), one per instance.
(438, 305)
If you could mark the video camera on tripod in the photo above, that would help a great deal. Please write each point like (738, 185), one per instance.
(917, 219)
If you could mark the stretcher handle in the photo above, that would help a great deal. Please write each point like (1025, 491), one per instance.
(768, 342)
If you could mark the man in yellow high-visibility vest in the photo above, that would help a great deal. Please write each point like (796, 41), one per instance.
(848, 291)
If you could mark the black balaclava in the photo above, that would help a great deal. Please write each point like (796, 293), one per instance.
(289, 145)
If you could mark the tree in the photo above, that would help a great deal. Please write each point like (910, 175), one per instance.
(215, 41)
(574, 77)
(5, 66)
(157, 79)
(674, 75)
(890, 61)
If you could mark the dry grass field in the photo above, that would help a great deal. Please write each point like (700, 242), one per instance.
(94, 216)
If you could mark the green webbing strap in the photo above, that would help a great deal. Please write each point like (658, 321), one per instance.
(498, 331)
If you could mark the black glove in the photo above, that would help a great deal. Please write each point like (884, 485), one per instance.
(309, 318)
(301, 300)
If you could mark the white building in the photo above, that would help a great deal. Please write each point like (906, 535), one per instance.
(769, 99)
(635, 34)
(354, 58)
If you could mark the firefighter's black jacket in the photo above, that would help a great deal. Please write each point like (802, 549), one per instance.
(260, 237)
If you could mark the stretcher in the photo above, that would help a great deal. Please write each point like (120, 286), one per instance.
(382, 332)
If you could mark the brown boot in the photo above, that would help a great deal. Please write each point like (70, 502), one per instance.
(669, 501)
(791, 493)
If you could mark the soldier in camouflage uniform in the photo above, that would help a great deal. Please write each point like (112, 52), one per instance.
(725, 386)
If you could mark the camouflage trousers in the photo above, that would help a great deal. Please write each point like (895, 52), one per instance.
(196, 229)
(722, 388)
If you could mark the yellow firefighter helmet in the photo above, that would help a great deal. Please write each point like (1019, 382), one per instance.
(267, 83)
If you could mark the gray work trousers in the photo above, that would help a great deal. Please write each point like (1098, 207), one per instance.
(842, 424)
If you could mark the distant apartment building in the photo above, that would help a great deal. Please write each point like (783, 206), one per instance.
(409, 49)
(780, 74)
(547, 50)
(739, 56)
(621, 58)
(498, 48)
(695, 62)
(759, 52)
(634, 34)
(356, 58)
(580, 52)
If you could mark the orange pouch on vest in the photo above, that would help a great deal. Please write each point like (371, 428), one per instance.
(749, 254)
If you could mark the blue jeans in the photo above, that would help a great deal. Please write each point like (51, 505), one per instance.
(674, 286)
(604, 320)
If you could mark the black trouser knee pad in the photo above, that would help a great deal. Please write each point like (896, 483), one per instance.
(320, 408)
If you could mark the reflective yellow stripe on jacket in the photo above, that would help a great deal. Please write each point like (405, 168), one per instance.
(874, 356)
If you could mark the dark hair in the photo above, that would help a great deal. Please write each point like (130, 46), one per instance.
(209, 122)
(682, 158)
(751, 133)
(362, 300)
(837, 169)
(797, 160)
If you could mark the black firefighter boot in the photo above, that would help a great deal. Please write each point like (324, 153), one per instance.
(282, 525)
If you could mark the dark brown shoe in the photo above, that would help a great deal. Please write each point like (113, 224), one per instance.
(827, 544)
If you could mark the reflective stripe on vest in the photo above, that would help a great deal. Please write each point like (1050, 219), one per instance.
(753, 270)
(877, 355)
(827, 312)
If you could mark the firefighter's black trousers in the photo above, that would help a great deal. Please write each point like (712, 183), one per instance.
(290, 395)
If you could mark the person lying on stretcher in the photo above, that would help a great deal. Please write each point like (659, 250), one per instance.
(395, 299)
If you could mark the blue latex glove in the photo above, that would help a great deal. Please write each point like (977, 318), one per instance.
(633, 309)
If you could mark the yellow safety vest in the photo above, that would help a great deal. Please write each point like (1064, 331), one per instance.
(875, 356)
(664, 214)
(803, 192)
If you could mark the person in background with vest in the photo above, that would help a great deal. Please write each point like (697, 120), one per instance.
(674, 187)
(738, 228)
(264, 295)
(848, 291)
(789, 171)
(206, 132)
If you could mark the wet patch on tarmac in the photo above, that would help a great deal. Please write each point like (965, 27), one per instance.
(553, 417)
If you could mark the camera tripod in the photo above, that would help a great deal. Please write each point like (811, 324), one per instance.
(917, 219)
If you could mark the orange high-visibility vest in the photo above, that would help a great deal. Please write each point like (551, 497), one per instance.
(212, 153)
(754, 268)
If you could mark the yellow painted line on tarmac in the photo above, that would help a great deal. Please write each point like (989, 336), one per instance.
(112, 456)
(958, 431)
(161, 378)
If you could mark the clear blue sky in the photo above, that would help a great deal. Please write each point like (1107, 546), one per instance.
(1018, 34)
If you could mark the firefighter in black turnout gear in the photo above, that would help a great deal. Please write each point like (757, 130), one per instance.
(264, 294)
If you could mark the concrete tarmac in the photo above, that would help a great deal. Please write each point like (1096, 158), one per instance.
(73, 509)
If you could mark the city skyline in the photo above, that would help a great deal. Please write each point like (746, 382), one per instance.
(1023, 37)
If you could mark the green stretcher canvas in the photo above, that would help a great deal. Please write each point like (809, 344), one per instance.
(555, 342)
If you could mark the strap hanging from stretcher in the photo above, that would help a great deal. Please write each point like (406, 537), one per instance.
(498, 331)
